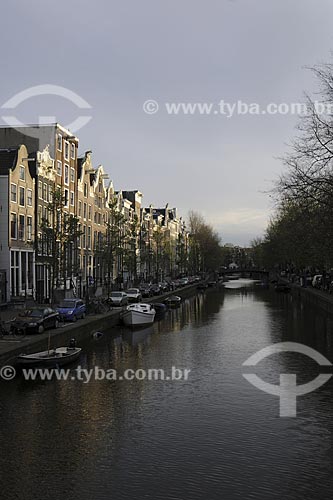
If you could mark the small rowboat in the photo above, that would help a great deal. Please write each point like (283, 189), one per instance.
(52, 357)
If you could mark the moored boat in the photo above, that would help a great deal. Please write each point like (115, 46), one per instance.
(52, 357)
(173, 301)
(138, 314)
(160, 310)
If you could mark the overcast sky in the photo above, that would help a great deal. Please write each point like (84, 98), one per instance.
(116, 55)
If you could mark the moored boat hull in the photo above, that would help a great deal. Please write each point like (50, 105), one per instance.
(53, 358)
(139, 315)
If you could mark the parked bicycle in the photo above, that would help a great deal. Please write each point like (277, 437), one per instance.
(98, 306)
(6, 330)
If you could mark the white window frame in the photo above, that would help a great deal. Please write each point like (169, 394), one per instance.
(45, 197)
(72, 198)
(19, 196)
(66, 182)
(66, 144)
(29, 192)
(72, 148)
(22, 169)
(18, 227)
(59, 136)
(13, 237)
(66, 201)
(29, 236)
(72, 174)
(59, 168)
(13, 184)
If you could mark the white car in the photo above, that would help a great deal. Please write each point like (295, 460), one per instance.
(118, 298)
(134, 295)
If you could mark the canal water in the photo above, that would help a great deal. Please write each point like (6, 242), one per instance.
(214, 436)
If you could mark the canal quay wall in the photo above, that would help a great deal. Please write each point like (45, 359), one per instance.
(82, 329)
(320, 299)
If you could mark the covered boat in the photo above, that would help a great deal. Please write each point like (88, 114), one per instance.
(173, 301)
(138, 314)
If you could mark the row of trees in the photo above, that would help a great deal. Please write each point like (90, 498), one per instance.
(300, 233)
(205, 249)
(122, 243)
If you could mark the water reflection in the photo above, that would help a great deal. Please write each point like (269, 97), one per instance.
(212, 437)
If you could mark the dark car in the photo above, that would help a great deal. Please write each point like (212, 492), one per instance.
(72, 309)
(146, 290)
(156, 289)
(36, 320)
(164, 286)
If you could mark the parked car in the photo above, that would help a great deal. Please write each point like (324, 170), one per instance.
(156, 289)
(118, 299)
(183, 281)
(134, 295)
(317, 280)
(145, 290)
(71, 309)
(164, 286)
(36, 320)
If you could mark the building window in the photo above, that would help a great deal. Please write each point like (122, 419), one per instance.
(22, 173)
(66, 197)
(22, 196)
(49, 193)
(89, 212)
(79, 237)
(39, 215)
(13, 226)
(40, 190)
(45, 192)
(29, 228)
(66, 152)
(84, 210)
(72, 198)
(13, 193)
(21, 227)
(59, 142)
(66, 170)
(29, 197)
(84, 237)
(73, 151)
(80, 208)
(85, 190)
(59, 167)
(89, 237)
(72, 175)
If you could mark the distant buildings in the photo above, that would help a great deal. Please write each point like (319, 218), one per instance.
(64, 227)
